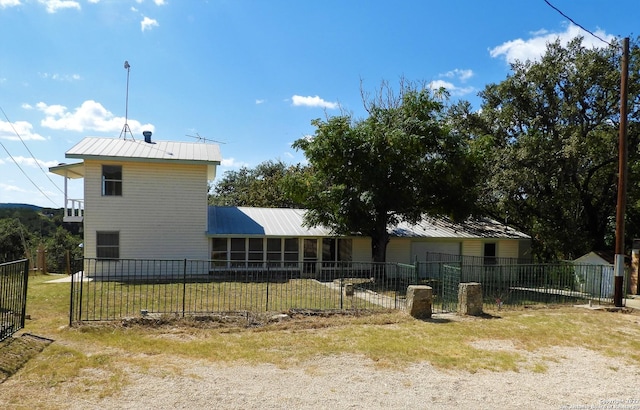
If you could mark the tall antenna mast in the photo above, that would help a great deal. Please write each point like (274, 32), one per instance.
(125, 129)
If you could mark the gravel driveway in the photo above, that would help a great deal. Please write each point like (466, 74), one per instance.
(575, 378)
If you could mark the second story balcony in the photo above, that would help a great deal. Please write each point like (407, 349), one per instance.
(73, 210)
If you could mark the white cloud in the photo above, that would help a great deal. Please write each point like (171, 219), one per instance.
(313, 102)
(232, 163)
(17, 130)
(450, 87)
(90, 116)
(61, 77)
(461, 75)
(11, 188)
(54, 5)
(148, 23)
(159, 2)
(533, 48)
(9, 3)
(258, 102)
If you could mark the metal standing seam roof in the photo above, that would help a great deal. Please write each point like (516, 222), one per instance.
(231, 220)
(112, 148)
(471, 228)
(243, 221)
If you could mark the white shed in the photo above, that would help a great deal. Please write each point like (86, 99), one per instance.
(594, 273)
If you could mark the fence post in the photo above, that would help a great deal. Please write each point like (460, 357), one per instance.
(71, 302)
(341, 293)
(266, 307)
(184, 287)
(24, 292)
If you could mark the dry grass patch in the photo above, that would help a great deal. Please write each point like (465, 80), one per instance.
(97, 360)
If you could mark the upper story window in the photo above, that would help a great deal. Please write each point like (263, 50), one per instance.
(112, 180)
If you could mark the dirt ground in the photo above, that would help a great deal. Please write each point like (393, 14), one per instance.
(574, 378)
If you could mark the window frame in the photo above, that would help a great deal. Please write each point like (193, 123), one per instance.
(102, 247)
(111, 184)
(489, 259)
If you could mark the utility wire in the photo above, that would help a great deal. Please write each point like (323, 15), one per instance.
(31, 153)
(22, 170)
(577, 24)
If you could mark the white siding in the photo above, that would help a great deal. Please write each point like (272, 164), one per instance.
(361, 250)
(162, 213)
(508, 248)
(419, 249)
(472, 248)
(399, 250)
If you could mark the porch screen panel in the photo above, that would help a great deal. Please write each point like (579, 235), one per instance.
(291, 252)
(219, 251)
(274, 249)
(238, 250)
(256, 253)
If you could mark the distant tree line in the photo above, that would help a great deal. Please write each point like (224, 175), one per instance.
(541, 154)
(26, 230)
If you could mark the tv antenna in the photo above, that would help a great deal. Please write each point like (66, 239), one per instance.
(203, 139)
(125, 129)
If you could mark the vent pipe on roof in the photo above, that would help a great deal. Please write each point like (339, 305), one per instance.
(147, 136)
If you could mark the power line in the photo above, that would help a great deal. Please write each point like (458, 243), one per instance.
(18, 165)
(30, 153)
(577, 24)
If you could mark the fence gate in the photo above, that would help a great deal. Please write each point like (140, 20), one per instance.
(13, 296)
(450, 282)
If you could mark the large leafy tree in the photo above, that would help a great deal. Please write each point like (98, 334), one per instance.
(553, 125)
(395, 165)
(13, 240)
(262, 186)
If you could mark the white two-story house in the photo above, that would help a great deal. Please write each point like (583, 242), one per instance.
(147, 200)
(143, 199)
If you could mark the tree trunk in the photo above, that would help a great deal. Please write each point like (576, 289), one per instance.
(379, 241)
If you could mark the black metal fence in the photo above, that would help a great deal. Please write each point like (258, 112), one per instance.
(105, 290)
(13, 296)
(508, 282)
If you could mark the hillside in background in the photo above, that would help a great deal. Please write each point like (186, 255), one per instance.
(20, 206)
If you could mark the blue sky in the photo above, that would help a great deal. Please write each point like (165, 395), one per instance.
(249, 74)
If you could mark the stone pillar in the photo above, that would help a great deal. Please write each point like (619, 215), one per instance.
(348, 289)
(470, 299)
(419, 301)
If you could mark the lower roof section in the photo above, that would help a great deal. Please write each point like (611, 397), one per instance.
(287, 222)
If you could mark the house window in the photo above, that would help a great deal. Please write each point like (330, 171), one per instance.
(274, 249)
(108, 245)
(112, 180)
(219, 251)
(291, 250)
(256, 253)
(490, 253)
(238, 251)
(242, 250)
(336, 250)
